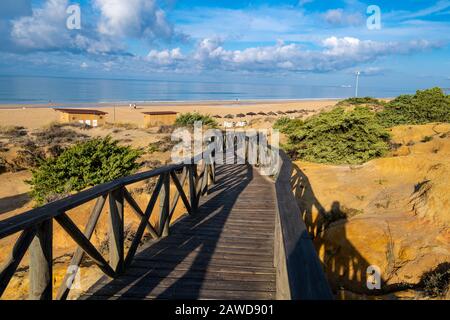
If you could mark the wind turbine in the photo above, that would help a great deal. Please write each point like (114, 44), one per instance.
(358, 73)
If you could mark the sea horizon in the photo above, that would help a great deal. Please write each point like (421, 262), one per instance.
(44, 90)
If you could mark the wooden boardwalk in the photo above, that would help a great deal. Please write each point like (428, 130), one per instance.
(224, 251)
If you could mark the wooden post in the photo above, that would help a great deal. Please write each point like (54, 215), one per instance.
(164, 198)
(192, 192)
(116, 230)
(41, 262)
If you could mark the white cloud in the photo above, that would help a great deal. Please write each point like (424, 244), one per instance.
(133, 18)
(44, 29)
(436, 8)
(338, 17)
(335, 54)
(165, 57)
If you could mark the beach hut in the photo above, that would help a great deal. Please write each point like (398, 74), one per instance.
(240, 115)
(159, 118)
(252, 114)
(229, 116)
(262, 113)
(93, 118)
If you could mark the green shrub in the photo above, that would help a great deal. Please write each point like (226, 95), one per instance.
(188, 119)
(83, 165)
(426, 106)
(339, 137)
(286, 125)
(361, 101)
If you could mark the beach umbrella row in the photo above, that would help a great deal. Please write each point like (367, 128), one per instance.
(261, 113)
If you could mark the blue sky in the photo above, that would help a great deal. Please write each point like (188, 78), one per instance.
(306, 41)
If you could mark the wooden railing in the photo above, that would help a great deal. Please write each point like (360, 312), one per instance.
(36, 226)
(299, 273)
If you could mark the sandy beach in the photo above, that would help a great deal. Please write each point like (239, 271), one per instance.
(36, 116)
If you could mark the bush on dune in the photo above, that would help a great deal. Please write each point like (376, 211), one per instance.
(339, 137)
(286, 125)
(361, 101)
(426, 106)
(85, 164)
(188, 119)
(358, 134)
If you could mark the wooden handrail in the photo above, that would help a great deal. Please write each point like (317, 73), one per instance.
(36, 225)
(300, 275)
(299, 272)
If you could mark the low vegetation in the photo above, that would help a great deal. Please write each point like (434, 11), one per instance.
(364, 101)
(358, 134)
(163, 145)
(56, 133)
(3, 165)
(436, 283)
(83, 165)
(339, 137)
(287, 125)
(188, 119)
(426, 106)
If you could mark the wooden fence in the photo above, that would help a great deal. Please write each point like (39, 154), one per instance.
(36, 226)
(299, 273)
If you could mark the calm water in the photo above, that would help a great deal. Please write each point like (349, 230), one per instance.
(72, 90)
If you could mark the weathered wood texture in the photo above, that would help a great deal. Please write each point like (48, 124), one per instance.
(223, 251)
(299, 273)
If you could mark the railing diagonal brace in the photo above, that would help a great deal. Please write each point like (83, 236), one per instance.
(18, 251)
(137, 210)
(140, 231)
(78, 236)
(64, 290)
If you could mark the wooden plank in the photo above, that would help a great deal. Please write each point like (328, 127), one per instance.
(150, 284)
(41, 262)
(182, 293)
(192, 193)
(164, 197)
(225, 251)
(116, 230)
(213, 266)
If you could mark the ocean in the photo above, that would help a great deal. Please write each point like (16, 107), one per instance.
(38, 90)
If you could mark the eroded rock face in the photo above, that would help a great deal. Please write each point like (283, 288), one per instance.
(391, 212)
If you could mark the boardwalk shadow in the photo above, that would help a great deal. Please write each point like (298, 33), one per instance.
(175, 267)
(343, 264)
(8, 204)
